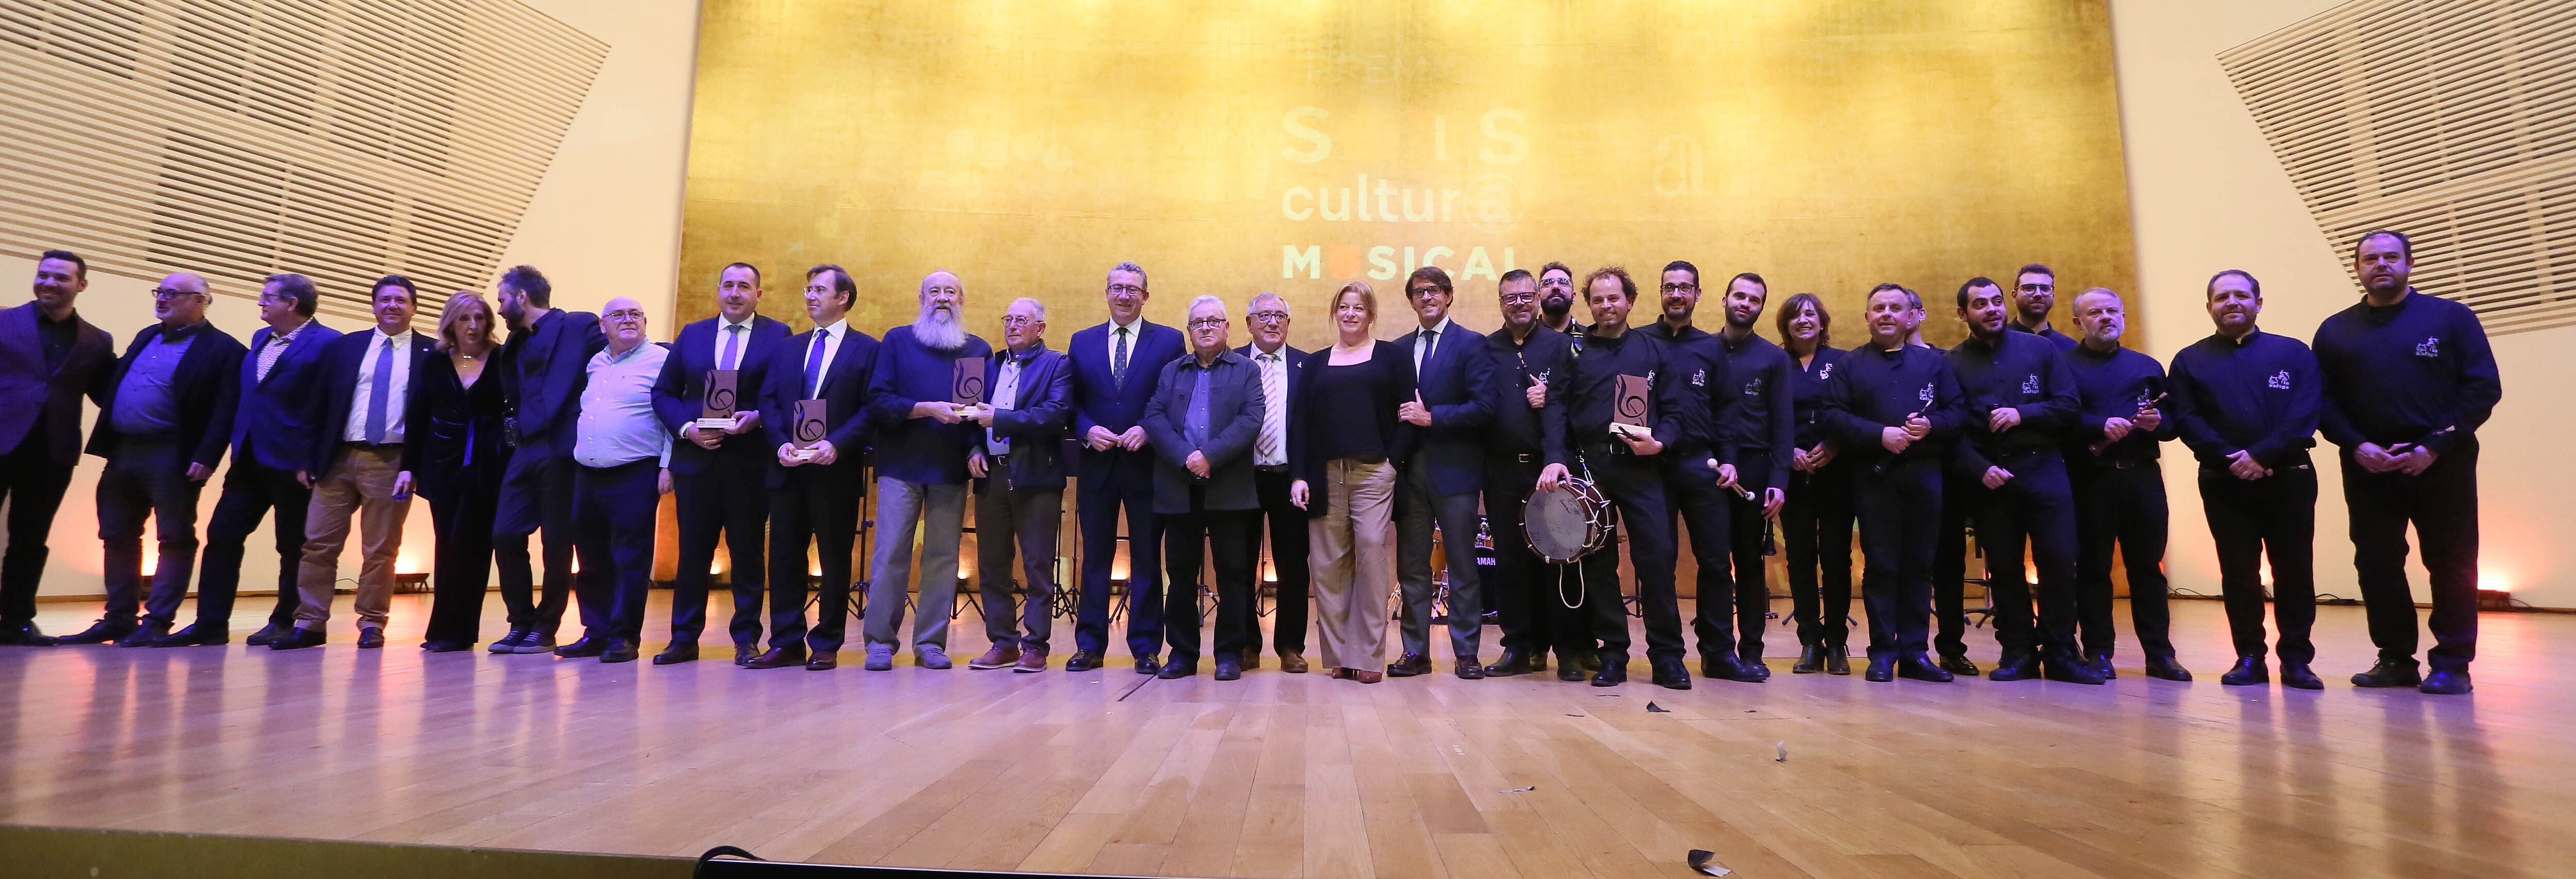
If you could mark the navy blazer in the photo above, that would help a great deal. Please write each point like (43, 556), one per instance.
(1035, 423)
(1453, 386)
(1234, 422)
(28, 392)
(679, 394)
(1099, 402)
(339, 386)
(548, 366)
(207, 387)
(845, 394)
(272, 424)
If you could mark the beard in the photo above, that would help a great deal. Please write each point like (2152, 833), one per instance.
(1739, 320)
(1556, 306)
(938, 329)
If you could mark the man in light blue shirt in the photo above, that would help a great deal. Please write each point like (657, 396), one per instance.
(625, 455)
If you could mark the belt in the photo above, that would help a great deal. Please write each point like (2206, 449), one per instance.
(1616, 450)
(1269, 468)
(370, 446)
(1525, 458)
(994, 462)
(2127, 464)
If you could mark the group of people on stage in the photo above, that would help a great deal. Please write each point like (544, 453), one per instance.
(1349, 459)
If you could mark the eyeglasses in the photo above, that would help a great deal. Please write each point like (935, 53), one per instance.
(1519, 298)
(2038, 288)
(1681, 288)
(166, 294)
(1013, 320)
(1269, 317)
(625, 314)
(1197, 323)
(1127, 289)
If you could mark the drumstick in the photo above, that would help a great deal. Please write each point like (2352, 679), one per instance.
(1738, 488)
(2405, 447)
(2105, 445)
(1881, 466)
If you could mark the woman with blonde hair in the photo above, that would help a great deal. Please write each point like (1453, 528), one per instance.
(1341, 435)
(455, 458)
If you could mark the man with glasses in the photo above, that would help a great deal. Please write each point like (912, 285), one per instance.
(1115, 369)
(1701, 470)
(625, 456)
(1528, 361)
(1556, 300)
(920, 452)
(719, 474)
(1440, 473)
(1281, 376)
(1018, 466)
(542, 368)
(2034, 295)
(1202, 423)
(52, 358)
(164, 426)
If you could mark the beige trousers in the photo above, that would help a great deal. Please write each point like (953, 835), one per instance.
(1351, 556)
(360, 486)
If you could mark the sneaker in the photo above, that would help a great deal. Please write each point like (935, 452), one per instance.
(509, 643)
(880, 657)
(1001, 656)
(929, 656)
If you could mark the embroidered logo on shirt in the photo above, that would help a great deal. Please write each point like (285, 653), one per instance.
(1699, 378)
(1824, 372)
(2430, 347)
(1924, 395)
(1753, 388)
(2030, 384)
(2281, 380)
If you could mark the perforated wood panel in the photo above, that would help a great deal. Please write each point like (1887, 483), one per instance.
(2451, 120)
(237, 138)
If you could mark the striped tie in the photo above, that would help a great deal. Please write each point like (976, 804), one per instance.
(1274, 410)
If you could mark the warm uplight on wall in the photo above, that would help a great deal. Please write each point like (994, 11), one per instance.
(2490, 581)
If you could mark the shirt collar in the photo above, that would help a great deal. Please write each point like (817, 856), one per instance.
(1443, 327)
(1191, 359)
(610, 355)
(1134, 327)
(1022, 358)
(838, 328)
(1281, 354)
(722, 324)
(185, 333)
(403, 336)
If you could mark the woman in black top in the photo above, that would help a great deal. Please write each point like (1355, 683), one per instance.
(1816, 521)
(454, 457)
(1341, 436)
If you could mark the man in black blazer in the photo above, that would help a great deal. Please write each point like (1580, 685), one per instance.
(720, 475)
(1018, 470)
(1115, 368)
(355, 467)
(1202, 423)
(49, 359)
(272, 434)
(816, 488)
(1441, 472)
(1280, 373)
(1529, 361)
(542, 372)
(163, 428)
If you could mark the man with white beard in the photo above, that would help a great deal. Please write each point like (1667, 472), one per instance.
(921, 445)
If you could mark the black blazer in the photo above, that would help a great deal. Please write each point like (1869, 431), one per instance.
(1234, 421)
(1035, 423)
(452, 433)
(845, 392)
(679, 394)
(208, 387)
(271, 425)
(1453, 385)
(1390, 386)
(547, 366)
(29, 392)
(339, 385)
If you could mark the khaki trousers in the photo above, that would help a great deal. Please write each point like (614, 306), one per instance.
(1351, 558)
(361, 485)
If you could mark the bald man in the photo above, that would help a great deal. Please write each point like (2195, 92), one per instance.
(162, 428)
(623, 458)
(922, 442)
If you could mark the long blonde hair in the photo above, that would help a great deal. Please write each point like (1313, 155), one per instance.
(449, 314)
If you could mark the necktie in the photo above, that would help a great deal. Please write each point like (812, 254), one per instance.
(732, 358)
(814, 362)
(269, 353)
(1274, 409)
(1430, 343)
(1118, 361)
(379, 390)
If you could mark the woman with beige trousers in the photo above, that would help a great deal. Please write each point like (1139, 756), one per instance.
(1342, 439)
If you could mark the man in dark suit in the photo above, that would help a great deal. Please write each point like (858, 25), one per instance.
(49, 359)
(272, 433)
(542, 371)
(1115, 368)
(355, 467)
(1018, 468)
(163, 428)
(1441, 471)
(1202, 423)
(815, 491)
(719, 475)
(1281, 378)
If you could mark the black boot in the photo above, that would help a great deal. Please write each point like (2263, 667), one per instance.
(1838, 661)
(1881, 670)
(2390, 673)
(1811, 660)
(2297, 676)
(1725, 667)
(2249, 672)
(2063, 666)
(2164, 668)
(2014, 666)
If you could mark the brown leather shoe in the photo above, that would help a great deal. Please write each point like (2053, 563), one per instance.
(779, 657)
(1001, 656)
(1031, 661)
(824, 660)
(1366, 676)
(1291, 663)
(1251, 659)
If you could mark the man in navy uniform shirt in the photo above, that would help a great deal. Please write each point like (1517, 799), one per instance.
(2034, 295)
(1528, 435)
(2245, 402)
(720, 475)
(921, 448)
(2408, 381)
(1700, 473)
(2119, 490)
(1115, 367)
(1759, 428)
(1894, 407)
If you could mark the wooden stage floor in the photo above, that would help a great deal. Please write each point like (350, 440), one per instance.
(1299, 775)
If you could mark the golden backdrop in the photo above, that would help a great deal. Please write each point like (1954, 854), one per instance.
(1288, 146)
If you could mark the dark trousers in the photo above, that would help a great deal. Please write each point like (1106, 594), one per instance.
(1899, 512)
(2276, 514)
(1636, 486)
(462, 514)
(1523, 586)
(823, 512)
(32, 485)
(730, 499)
(1706, 514)
(1235, 536)
(1287, 528)
(1022, 519)
(615, 527)
(2036, 506)
(1417, 510)
(536, 495)
(2123, 507)
(146, 480)
(1123, 479)
(251, 489)
(1749, 541)
(1959, 500)
(1816, 530)
(2442, 504)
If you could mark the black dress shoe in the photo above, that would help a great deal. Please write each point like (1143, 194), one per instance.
(1838, 662)
(298, 639)
(100, 632)
(2101, 665)
(1177, 669)
(196, 635)
(790, 656)
(2065, 667)
(1082, 660)
(618, 651)
(145, 634)
(1753, 665)
(2389, 673)
(1538, 661)
(1922, 668)
(24, 635)
(2164, 668)
(2297, 676)
(678, 652)
(1591, 663)
(1672, 674)
(445, 646)
(2013, 667)
(1881, 670)
(584, 648)
(1811, 659)
(1569, 671)
(823, 660)
(1409, 665)
(2249, 671)
(1228, 669)
(1958, 664)
(265, 634)
(1611, 674)
(507, 643)
(2445, 682)
(1727, 667)
(1514, 662)
(1470, 669)
(371, 638)
(1149, 665)
(743, 654)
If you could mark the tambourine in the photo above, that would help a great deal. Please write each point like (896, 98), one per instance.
(1569, 523)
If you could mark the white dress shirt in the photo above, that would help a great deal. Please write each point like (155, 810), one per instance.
(1274, 407)
(724, 328)
(617, 424)
(838, 332)
(1444, 329)
(1135, 334)
(396, 395)
(1004, 395)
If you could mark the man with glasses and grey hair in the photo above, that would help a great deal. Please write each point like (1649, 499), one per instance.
(1019, 485)
(1116, 366)
(1267, 317)
(921, 449)
(1203, 422)
(624, 455)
